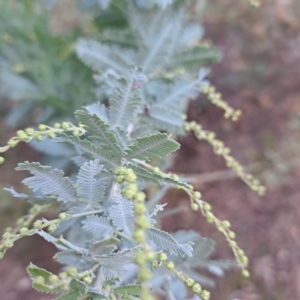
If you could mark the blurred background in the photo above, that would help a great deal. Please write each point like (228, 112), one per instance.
(259, 74)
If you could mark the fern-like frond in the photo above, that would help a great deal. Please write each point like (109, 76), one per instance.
(165, 119)
(121, 213)
(97, 56)
(166, 242)
(159, 49)
(122, 137)
(203, 248)
(99, 295)
(125, 290)
(196, 57)
(32, 199)
(98, 109)
(156, 145)
(180, 89)
(78, 285)
(79, 261)
(94, 125)
(90, 189)
(107, 159)
(35, 272)
(120, 258)
(111, 271)
(72, 295)
(124, 103)
(105, 246)
(48, 181)
(98, 225)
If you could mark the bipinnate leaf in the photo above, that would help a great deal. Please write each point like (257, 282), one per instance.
(98, 296)
(35, 273)
(97, 56)
(100, 131)
(77, 260)
(90, 189)
(195, 57)
(111, 271)
(105, 246)
(98, 225)
(48, 181)
(203, 248)
(165, 119)
(106, 158)
(120, 258)
(49, 289)
(157, 145)
(125, 290)
(181, 89)
(38, 200)
(164, 241)
(124, 103)
(121, 213)
(72, 295)
(79, 286)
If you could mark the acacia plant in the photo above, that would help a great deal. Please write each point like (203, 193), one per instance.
(107, 232)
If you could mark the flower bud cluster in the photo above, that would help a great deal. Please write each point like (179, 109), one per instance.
(222, 150)
(189, 282)
(216, 99)
(146, 255)
(125, 175)
(40, 134)
(222, 226)
(63, 279)
(205, 208)
(10, 235)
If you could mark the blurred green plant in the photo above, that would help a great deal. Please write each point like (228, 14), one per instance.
(40, 74)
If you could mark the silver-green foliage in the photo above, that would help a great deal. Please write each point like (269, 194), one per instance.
(31, 60)
(105, 241)
(132, 127)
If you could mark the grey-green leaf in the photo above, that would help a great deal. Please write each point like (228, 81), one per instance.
(90, 189)
(72, 295)
(97, 56)
(157, 145)
(106, 158)
(94, 125)
(124, 103)
(121, 213)
(125, 290)
(98, 225)
(166, 242)
(77, 260)
(48, 181)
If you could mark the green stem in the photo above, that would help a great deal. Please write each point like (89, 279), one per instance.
(125, 236)
(84, 214)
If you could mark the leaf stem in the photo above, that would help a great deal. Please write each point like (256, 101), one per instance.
(125, 236)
